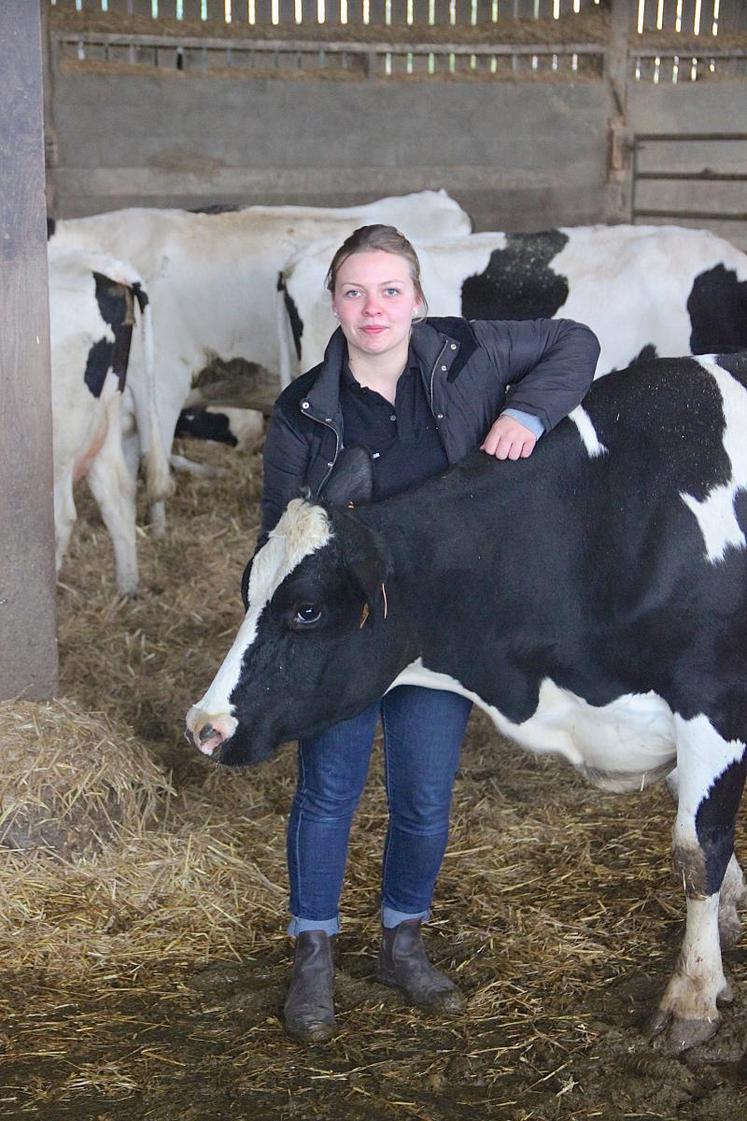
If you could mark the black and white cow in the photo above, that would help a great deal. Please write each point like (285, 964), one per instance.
(92, 302)
(239, 428)
(644, 290)
(212, 277)
(592, 599)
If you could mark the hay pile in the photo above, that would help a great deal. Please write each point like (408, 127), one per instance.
(143, 975)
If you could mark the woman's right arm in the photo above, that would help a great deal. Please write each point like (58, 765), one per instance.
(286, 460)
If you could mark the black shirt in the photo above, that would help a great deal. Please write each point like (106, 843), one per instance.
(402, 439)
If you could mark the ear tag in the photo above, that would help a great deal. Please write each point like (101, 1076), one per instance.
(364, 616)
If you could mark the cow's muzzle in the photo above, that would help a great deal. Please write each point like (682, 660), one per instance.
(209, 732)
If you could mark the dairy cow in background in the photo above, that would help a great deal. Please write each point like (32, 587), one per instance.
(212, 276)
(92, 304)
(591, 599)
(239, 428)
(644, 290)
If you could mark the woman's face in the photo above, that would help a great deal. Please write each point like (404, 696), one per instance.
(375, 299)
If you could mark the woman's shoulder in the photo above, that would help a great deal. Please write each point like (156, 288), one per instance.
(293, 394)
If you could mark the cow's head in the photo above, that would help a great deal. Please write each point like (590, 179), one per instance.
(320, 640)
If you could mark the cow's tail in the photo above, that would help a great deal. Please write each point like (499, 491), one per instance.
(158, 478)
(288, 360)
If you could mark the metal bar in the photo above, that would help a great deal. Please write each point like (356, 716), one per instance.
(702, 215)
(647, 137)
(703, 51)
(695, 176)
(633, 180)
(313, 45)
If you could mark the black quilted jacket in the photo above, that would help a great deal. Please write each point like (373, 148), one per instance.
(471, 371)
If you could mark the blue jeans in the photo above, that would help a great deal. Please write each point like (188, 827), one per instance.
(423, 732)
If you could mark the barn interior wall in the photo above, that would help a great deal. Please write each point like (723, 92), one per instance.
(520, 156)
(698, 107)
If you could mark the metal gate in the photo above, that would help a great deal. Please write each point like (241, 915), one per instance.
(694, 178)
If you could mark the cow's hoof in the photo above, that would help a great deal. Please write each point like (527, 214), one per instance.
(726, 996)
(675, 1036)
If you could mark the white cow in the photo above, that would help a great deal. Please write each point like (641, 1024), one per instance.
(92, 300)
(212, 276)
(644, 290)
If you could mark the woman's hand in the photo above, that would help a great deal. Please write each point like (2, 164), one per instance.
(508, 439)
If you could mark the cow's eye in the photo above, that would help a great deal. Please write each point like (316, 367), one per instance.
(306, 614)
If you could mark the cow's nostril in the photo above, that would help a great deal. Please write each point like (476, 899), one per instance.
(206, 732)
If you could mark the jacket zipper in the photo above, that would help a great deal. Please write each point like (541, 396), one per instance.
(433, 374)
(337, 447)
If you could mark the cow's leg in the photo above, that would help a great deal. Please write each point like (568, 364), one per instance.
(733, 894)
(199, 470)
(173, 385)
(64, 515)
(114, 490)
(710, 781)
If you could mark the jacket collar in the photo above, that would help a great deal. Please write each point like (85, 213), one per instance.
(324, 396)
(428, 341)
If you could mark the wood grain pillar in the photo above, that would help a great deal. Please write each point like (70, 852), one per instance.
(28, 642)
(617, 199)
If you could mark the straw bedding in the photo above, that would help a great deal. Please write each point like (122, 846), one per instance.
(142, 911)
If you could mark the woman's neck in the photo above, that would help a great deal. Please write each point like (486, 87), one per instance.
(380, 372)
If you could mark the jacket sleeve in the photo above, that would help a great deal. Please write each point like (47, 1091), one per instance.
(286, 459)
(547, 364)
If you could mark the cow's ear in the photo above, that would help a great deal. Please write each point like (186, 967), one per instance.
(351, 480)
(368, 568)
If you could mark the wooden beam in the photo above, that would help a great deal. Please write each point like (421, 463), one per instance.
(28, 644)
(617, 202)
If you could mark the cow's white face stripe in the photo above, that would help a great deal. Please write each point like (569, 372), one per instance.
(715, 515)
(617, 745)
(587, 432)
(302, 530)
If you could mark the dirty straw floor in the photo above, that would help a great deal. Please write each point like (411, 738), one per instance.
(142, 898)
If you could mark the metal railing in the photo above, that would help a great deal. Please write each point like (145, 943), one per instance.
(373, 59)
(678, 175)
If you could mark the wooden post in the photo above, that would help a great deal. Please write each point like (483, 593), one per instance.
(619, 136)
(28, 644)
(51, 148)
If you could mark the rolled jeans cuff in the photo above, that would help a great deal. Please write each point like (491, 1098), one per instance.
(390, 917)
(298, 926)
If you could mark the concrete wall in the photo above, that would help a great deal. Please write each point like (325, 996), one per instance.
(517, 155)
(521, 155)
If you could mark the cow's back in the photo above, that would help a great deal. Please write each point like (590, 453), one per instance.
(620, 539)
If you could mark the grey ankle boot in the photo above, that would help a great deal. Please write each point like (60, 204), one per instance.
(404, 965)
(309, 1009)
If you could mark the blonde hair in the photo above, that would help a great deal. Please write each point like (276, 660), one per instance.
(388, 240)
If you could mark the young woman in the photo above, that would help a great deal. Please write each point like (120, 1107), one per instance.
(417, 394)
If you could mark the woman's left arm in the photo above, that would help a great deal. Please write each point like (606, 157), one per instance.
(548, 365)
